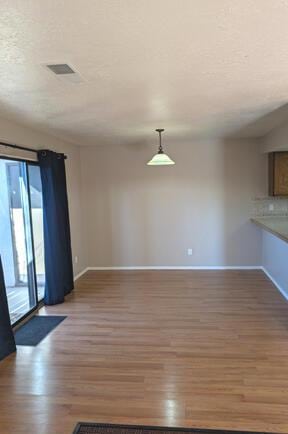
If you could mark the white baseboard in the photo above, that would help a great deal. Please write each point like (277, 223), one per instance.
(280, 289)
(188, 267)
(80, 274)
(171, 267)
(180, 267)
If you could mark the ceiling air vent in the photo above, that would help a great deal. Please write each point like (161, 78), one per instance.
(64, 72)
(61, 69)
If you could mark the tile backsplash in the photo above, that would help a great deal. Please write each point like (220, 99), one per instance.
(269, 206)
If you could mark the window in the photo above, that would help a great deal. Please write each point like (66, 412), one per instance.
(21, 235)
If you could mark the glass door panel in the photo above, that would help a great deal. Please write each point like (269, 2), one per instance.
(16, 247)
(35, 187)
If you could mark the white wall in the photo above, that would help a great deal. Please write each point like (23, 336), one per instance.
(14, 133)
(149, 216)
(275, 260)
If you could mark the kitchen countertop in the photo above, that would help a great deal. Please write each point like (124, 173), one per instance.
(277, 225)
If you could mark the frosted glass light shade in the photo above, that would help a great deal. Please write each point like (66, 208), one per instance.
(160, 159)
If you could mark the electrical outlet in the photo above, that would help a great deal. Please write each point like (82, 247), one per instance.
(271, 207)
(76, 259)
(190, 252)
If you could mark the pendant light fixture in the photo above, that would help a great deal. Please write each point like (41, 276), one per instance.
(160, 159)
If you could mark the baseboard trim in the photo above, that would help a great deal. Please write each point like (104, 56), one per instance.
(81, 273)
(189, 267)
(171, 267)
(179, 267)
(280, 289)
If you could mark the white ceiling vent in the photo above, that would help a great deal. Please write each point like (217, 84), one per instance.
(64, 72)
(61, 69)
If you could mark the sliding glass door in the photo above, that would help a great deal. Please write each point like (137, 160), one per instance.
(21, 235)
(36, 206)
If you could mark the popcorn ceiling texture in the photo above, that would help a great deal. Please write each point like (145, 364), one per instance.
(197, 68)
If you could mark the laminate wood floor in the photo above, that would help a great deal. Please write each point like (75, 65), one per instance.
(177, 348)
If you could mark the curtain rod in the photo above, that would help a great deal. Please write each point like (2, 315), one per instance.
(22, 148)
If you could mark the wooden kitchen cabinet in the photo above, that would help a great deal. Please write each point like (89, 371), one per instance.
(278, 173)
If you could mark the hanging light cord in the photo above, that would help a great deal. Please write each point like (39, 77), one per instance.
(160, 141)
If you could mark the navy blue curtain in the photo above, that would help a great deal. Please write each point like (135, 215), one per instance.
(7, 342)
(57, 239)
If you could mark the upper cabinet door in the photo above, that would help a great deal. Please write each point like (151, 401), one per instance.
(278, 173)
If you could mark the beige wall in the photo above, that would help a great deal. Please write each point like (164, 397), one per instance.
(124, 213)
(14, 133)
(137, 215)
(277, 139)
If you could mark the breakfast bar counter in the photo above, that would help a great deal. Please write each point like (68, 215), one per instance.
(277, 225)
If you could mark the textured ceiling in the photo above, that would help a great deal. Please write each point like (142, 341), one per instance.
(195, 67)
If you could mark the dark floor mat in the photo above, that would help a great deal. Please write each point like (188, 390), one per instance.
(36, 329)
(98, 428)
